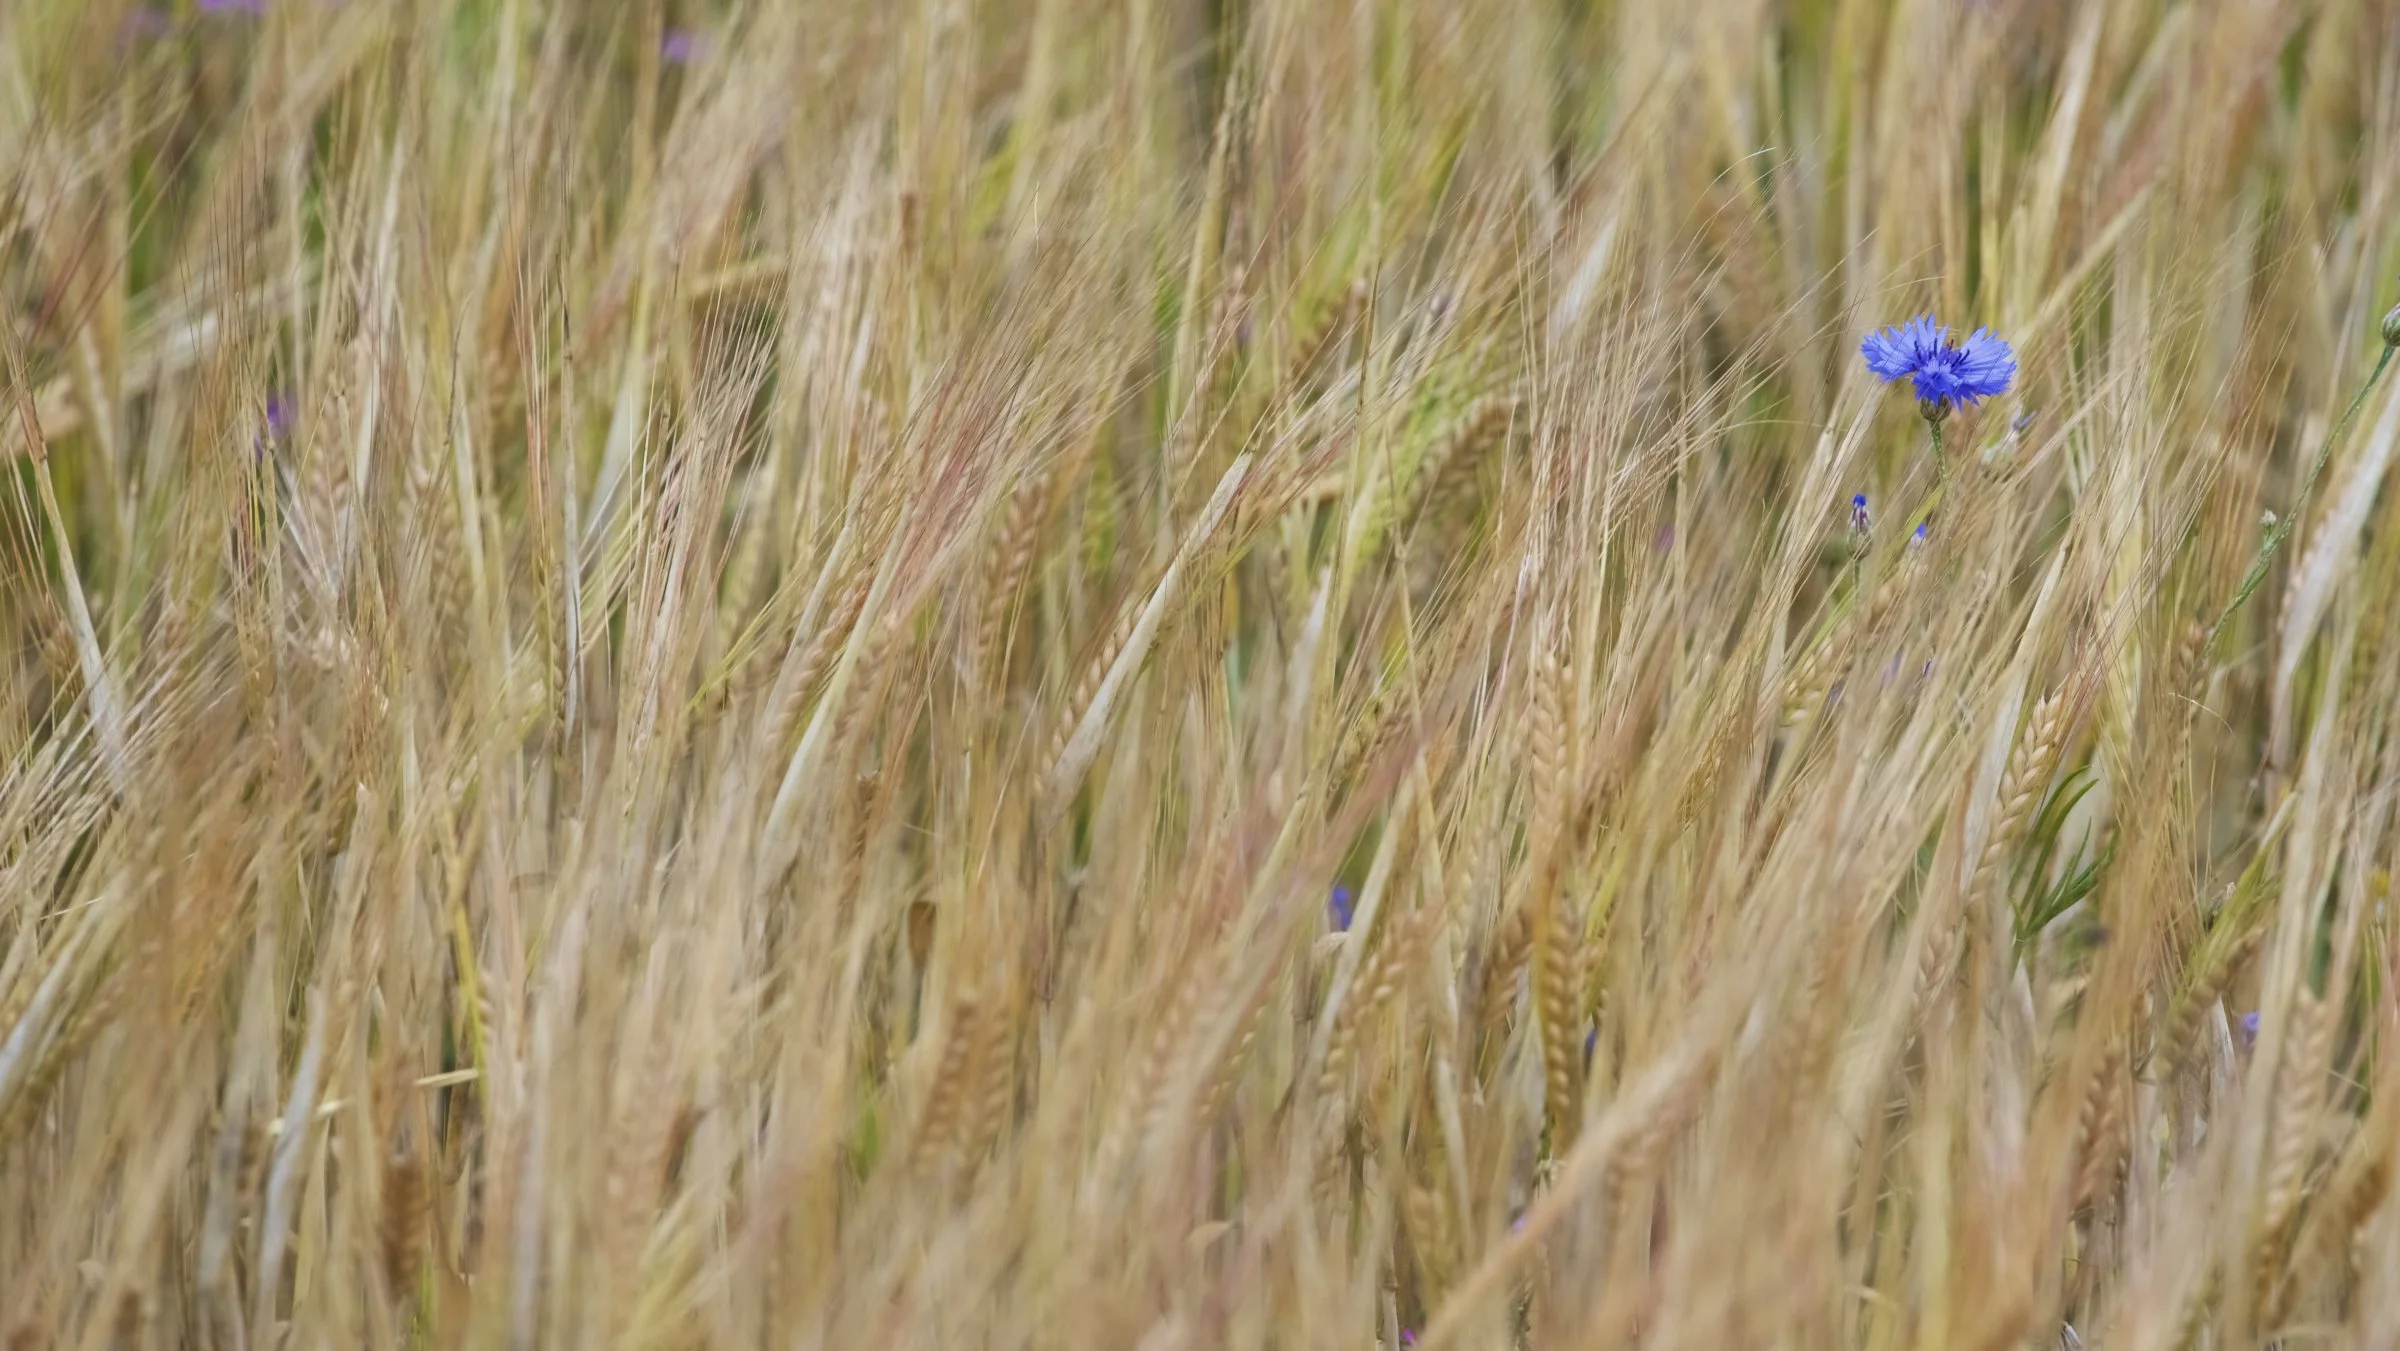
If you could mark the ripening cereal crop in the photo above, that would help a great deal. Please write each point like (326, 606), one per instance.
(1155, 675)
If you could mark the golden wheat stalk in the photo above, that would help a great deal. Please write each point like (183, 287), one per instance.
(2299, 1098)
(1081, 739)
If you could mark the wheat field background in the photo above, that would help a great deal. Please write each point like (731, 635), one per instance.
(1196, 673)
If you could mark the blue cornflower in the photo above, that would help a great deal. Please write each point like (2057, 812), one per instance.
(2250, 1024)
(1858, 513)
(1338, 907)
(1941, 374)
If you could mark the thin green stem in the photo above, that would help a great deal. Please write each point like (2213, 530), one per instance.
(1941, 463)
(2275, 535)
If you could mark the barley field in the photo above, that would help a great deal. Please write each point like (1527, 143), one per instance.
(1178, 674)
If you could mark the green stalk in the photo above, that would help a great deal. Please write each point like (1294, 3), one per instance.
(2283, 527)
(1934, 411)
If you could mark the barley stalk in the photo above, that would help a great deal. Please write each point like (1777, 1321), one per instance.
(2299, 1099)
(2022, 783)
(622, 813)
(949, 1093)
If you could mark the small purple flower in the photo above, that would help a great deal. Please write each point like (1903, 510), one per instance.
(1338, 906)
(1408, 1336)
(279, 416)
(1858, 513)
(1920, 350)
(1917, 537)
(681, 47)
(2250, 1025)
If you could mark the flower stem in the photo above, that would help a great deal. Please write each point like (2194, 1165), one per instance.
(2275, 536)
